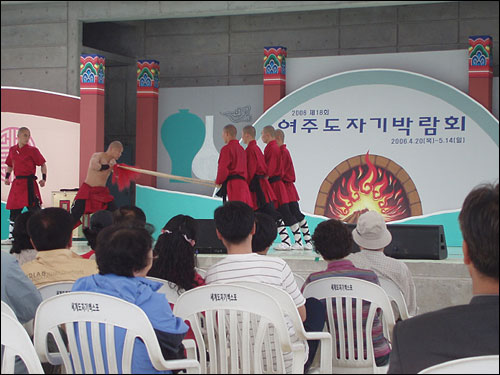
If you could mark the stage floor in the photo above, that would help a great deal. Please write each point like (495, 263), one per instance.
(439, 283)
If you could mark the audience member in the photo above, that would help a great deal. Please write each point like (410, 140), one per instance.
(124, 256)
(22, 248)
(465, 330)
(372, 237)
(98, 221)
(129, 213)
(235, 226)
(175, 256)
(50, 230)
(17, 290)
(333, 241)
(265, 233)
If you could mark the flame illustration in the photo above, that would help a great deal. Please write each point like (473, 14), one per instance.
(365, 188)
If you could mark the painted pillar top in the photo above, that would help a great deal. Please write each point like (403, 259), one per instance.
(274, 65)
(148, 78)
(92, 74)
(480, 56)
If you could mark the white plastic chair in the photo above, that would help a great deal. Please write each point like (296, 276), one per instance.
(95, 309)
(286, 303)
(169, 289)
(236, 325)
(201, 271)
(299, 280)
(6, 309)
(396, 296)
(54, 289)
(357, 291)
(16, 342)
(487, 364)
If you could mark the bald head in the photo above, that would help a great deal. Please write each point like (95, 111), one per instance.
(250, 130)
(269, 130)
(230, 130)
(280, 136)
(117, 145)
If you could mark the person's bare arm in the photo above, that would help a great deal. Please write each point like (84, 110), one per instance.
(7, 179)
(95, 162)
(302, 312)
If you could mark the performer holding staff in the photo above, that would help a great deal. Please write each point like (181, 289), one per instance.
(232, 169)
(93, 195)
(23, 160)
(272, 156)
(288, 179)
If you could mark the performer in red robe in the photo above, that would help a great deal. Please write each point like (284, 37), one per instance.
(93, 195)
(232, 169)
(288, 179)
(272, 156)
(23, 160)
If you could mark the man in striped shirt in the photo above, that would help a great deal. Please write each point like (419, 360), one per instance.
(333, 241)
(235, 225)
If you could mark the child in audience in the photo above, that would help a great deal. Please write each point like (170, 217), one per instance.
(333, 241)
(175, 257)
(22, 248)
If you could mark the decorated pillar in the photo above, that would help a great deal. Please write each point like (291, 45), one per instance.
(274, 75)
(481, 70)
(91, 109)
(146, 148)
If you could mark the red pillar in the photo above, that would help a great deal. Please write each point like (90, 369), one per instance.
(146, 147)
(91, 109)
(481, 70)
(274, 75)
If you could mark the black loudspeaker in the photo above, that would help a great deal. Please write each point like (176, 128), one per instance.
(414, 242)
(206, 238)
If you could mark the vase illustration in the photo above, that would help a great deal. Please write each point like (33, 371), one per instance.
(182, 135)
(205, 161)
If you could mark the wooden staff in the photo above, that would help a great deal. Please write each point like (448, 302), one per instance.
(166, 175)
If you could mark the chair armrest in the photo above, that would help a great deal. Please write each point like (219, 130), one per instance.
(326, 349)
(190, 346)
(192, 366)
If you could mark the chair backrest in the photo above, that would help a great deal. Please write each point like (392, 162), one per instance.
(487, 364)
(299, 280)
(6, 309)
(349, 294)
(201, 271)
(16, 343)
(396, 296)
(54, 289)
(232, 323)
(169, 289)
(96, 318)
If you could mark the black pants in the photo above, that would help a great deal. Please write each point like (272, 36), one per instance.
(15, 213)
(295, 211)
(315, 321)
(78, 209)
(269, 209)
(286, 214)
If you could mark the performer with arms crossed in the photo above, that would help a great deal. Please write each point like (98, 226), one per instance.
(272, 155)
(232, 169)
(288, 179)
(93, 195)
(23, 160)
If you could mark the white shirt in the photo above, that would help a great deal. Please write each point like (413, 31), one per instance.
(262, 269)
(389, 268)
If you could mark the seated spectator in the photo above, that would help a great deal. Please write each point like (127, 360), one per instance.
(372, 237)
(124, 256)
(465, 330)
(22, 248)
(265, 233)
(128, 213)
(333, 241)
(175, 256)
(235, 226)
(50, 230)
(98, 221)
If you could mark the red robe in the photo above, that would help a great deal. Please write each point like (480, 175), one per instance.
(256, 165)
(288, 176)
(23, 161)
(97, 197)
(272, 155)
(233, 161)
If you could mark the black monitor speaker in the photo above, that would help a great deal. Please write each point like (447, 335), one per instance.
(206, 238)
(414, 242)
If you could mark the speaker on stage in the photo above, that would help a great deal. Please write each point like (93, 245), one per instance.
(413, 242)
(206, 238)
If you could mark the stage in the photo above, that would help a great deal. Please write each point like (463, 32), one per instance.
(439, 283)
